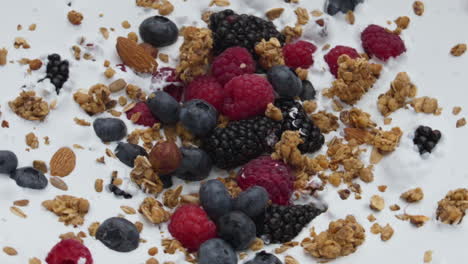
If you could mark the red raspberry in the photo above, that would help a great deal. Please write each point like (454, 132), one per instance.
(232, 62)
(171, 83)
(383, 44)
(69, 251)
(299, 54)
(247, 96)
(191, 226)
(208, 89)
(332, 57)
(146, 118)
(273, 175)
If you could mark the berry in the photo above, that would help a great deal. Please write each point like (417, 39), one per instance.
(195, 166)
(273, 175)
(166, 180)
(57, 71)
(163, 106)
(285, 81)
(191, 226)
(230, 30)
(281, 224)
(308, 91)
(237, 229)
(264, 258)
(295, 118)
(426, 139)
(232, 62)
(29, 177)
(241, 141)
(198, 117)
(119, 192)
(252, 201)
(247, 96)
(332, 57)
(334, 6)
(208, 89)
(118, 234)
(159, 31)
(167, 78)
(146, 118)
(69, 251)
(127, 153)
(110, 129)
(8, 161)
(216, 251)
(299, 54)
(377, 41)
(165, 157)
(215, 199)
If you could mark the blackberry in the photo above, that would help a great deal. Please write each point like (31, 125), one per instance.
(426, 139)
(119, 192)
(231, 29)
(241, 141)
(280, 224)
(295, 118)
(57, 71)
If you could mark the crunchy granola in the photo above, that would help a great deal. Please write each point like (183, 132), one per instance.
(132, 36)
(416, 220)
(402, 22)
(35, 64)
(95, 101)
(145, 177)
(292, 33)
(273, 112)
(396, 97)
(29, 106)
(274, 13)
(452, 208)
(302, 16)
(387, 141)
(309, 106)
(394, 207)
(32, 141)
(426, 105)
(231, 184)
(357, 118)
(257, 244)
(92, 229)
(461, 122)
(81, 122)
(135, 93)
(21, 42)
(69, 209)
(418, 8)
(109, 73)
(377, 203)
(428, 256)
(350, 18)
(270, 53)
(71, 235)
(386, 233)
(327, 122)
(3, 56)
(458, 50)
(171, 197)
(220, 3)
(290, 260)
(75, 17)
(10, 251)
(413, 195)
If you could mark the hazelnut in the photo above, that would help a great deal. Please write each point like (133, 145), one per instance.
(165, 157)
(149, 49)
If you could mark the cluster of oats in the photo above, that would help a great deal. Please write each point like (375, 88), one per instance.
(135, 93)
(171, 197)
(416, 220)
(231, 184)
(396, 97)
(153, 211)
(327, 122)
(29, 106)
(385, 232)
(194, 53)
(342, 238)
(70, 210)
(452, 208)
(355, 78)
(270, 53)
(426, 105)
(32, 141)
(145, 177)
(273, 112)
(148, 136)
(356, 118)
(163, 6)
(96, 100)
(292, 33)
(387, 141)
(413, 195)
(274, 13)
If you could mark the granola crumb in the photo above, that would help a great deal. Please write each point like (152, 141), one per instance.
(456, 110)
(171, 197)
(70, 210)
(144, 176)
(302, 16)
(133, 36)
(382, 188)
(35, 64)
(32, 27)
(104, 32)
(153, 251)
(402, 22)
(386, 233)
(109, 73)
(371, 218)
(357, 118)
(327, 122)
(428, 256)
(458, 50)
(387, 121)
(257, 244)
(292, 33)
(126, 24)
(21, 43)
(452, 208)
(377, 203)
(96, 100)
(34, 261)
(81, 122)
(92, 229)
(32, 141)
(310, 106)
(273, 112)
(350, 18)
(426, 105)
(290, 260)
(163, 57)
(394, 207)
(274, 13)
(220, 3)
(413, 195)
(75, 17)
(270, 53)
(21, 203)
(99, 185)
(396, 97)
(376, 229)
(461, 122)
(418, 8)
(29, 106)
(3, 56)
(387, 141)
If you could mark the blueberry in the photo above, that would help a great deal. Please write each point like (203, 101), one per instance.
(252, 201)
(237, 229)
(198, 117)
(110, 129)
(8, 161)
(264, 258)
(216, 251)
(285, 81)
(215, 199)
(53, 57)
(159, 31)
(166, 180)
(118, 234)
(195, 166)
(164, 107)
(308, 91)
(127, 153)
(334, 6)
(29, 177)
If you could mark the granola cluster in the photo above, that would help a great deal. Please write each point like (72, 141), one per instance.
(400, 91)
(426, 105)
(292, 33)
(29, 106)
(95, 101)
(413, 195)
(135, 93)
(70, 210)
(163, 6)
(153, 211)
(356, 118)
(342, 238)
(387, 141)
(270, 53)
(327, 122)
(452, 208)
(145, 177)
(148, 136)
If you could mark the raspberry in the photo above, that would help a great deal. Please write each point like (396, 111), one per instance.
(146, 118)
(208, 89)
(247, 96)
(171, 84)
(377, 41)
(299, 54)
(191, 226)
(332, 57)
(273, 175)
(232, 62)
(69, 251)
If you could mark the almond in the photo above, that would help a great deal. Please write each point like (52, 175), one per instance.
(63, 162)
(135, 56)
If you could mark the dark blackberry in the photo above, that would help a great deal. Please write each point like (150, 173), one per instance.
(57, 71)
(280, 224)
(231, 29)
(426, 139)
(295, 118)
(241, 141)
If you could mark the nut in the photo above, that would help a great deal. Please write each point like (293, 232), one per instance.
(165, 157)
(149, 49)
(135, 56)
(63, 162)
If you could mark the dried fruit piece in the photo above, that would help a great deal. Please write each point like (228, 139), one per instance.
(63, 162)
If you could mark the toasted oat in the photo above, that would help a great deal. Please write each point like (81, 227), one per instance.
(96, 100)
(387, 233)
(171, 246)
(81, 122)
(456, 110)
(109, 73)
(32, 141)
(377, 203)
(132, 36)
(18, 212)
(387, 141)
(152, 261)
(257, 244)
(69, 209)
(376, 229)
(274, 13)
(153, 251)
(3, 56)
(396, 97)
(327, 122)
(413, 195)
(458, 50)
(371, 218)
(34, 261)
(10, 251)
(290, 260)
(30, 107)
(136, 93)
(104, 32)
(21, 43)
(461, 122)
(220, 3)
(270, 53)
(165, 7)
(128, 210)
(40, 165)
(76, 52)
(428, 256)
(35, 64)
(426, 105)
(382, 188)
(357, 118)
(302, 73)
(231, 184)
(21, 203)
(316, 13)
(5, 124)
(452, 208)
(99, 185)
(75, 17)
(418, 8)
(163, 57)
(71, 235)
(350, 18)
(417, 220)
(153, 211)
(292, 33)
(302, 16)
(344, 194)
(125, 24)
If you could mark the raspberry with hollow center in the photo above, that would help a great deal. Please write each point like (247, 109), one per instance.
(379, 42)
(69, 251)
(332, 57)
(208, 89)
(232, 62)
(299, 54)
(146, 118)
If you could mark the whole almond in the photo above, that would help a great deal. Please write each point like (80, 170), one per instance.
(63, 162)
(135, 56)
(150, 49)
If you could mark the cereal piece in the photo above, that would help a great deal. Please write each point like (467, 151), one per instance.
(386, 233)
(387, 141)
(152, 261)
(382, 188)
(394, 207)
(357, 118)
(344, 194)
(166, 8)
(377, 203)
(428, 256)
(75, 17)
(376, 229)
(220, 3)
(18, 212)
(302, 73)
(69, 209)
(144, 176)
(32, 27)
(128, 210)
(426, 105)
(104, 32)
(153, 211)
(274, 13)
(290, 260)
(99, 185)
(402, 22)
(21, 43)
(35, 64)
(413, 195)
(461, 122)
(171, 197)
(302, 16)
(76, 52)
(292, 33)
(360, 136)
(109, 73)
(32, 141)
(273, 112)
(452, 208)
(132, 36)
(316, 13)
(126, 24)
(153, 251)
(458, 50)
(342, 238)
(10, 251)
(310, 106)
(95, 101)
(163, 57)
(387, 121)
(327, 122)
(366, 175)
(40, 165)
(456, 110)
(396, 97)
(257, 244)
(71, 235)
(418, 8)
(371, 218)
(3, 56)
(350, 18)
(34, 261)
(270, 53)
(81, 122)
(29, 106)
